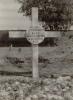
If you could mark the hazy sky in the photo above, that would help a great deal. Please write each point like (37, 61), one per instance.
(9, 16)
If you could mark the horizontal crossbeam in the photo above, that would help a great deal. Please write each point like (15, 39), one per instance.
(23, 34)
(52, 34)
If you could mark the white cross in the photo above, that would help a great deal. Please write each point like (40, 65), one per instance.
(35, 35)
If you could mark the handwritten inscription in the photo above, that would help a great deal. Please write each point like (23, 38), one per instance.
(35, 35)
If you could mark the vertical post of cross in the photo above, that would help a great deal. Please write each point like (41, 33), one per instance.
(34, 16)
(35, 69)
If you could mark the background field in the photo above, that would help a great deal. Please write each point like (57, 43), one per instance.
(52, 60)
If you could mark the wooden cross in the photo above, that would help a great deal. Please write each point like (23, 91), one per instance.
(35, 34)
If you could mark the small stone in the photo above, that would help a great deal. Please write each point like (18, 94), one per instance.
(60, 80)
(42, 97)
(54, 97)
(46, 88)
(17, 83)
(55, 89)
(46, 81)
(28, 98)
(34, 97)
(67, 78)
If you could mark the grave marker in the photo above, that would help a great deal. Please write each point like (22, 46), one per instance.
(35, 34)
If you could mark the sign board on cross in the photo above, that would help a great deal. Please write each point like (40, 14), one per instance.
(35, 35)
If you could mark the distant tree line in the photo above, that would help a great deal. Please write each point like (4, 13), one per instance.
(55, 14)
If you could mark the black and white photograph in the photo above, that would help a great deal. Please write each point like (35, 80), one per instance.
(36, 49)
